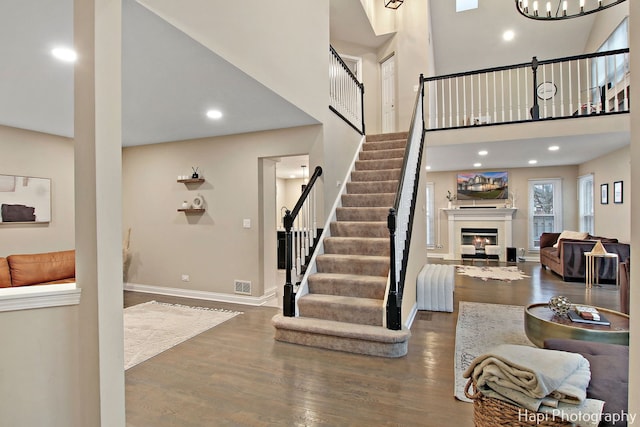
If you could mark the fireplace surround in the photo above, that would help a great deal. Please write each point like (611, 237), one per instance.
(484, 217)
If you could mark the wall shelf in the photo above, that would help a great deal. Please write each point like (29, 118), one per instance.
(191, 211)
(191, 180)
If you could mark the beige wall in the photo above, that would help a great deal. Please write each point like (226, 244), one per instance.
(611, 220)
(289, 56)
(27, 153)
(519, 183)
(212, 248)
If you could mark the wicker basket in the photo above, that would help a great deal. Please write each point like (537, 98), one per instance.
(491, 412)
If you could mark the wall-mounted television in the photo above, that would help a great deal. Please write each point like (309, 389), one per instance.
(482, 185)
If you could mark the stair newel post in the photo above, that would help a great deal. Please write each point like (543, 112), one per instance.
(289, 297)
(535, 110)
(393, 302)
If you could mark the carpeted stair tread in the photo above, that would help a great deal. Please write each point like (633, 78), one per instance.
(378, 164)
(388, 136)
(376, 175)
(353, 285)
(378, 246)
(361, 311)
(328, 327)
(384, 145)
(394, 153)
(369, 200)
(368, 187)
(352, 338)
(369, 265)
(359, 228)
(375, 214)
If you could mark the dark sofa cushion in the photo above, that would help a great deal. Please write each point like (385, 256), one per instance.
(609, 373)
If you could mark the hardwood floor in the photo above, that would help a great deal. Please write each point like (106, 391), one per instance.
(236, 375)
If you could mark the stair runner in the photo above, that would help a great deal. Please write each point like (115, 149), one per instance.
(344, 309)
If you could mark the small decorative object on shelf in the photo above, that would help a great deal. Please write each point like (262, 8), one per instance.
(195, 173)
(186, 205)
(560, 305)
(198, 202)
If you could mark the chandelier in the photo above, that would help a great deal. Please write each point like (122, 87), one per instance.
(562, 9)
(393, 4)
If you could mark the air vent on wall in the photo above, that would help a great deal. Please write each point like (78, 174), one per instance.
(243, 287)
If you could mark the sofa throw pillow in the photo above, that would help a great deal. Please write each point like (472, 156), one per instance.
(576, 235)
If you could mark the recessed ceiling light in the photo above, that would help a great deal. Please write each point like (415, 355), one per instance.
(428, 168)
(554, 148)
(533, 162)
(508, 35)
(292, 176)
(483, 152)
(64, 54)
(477, 165)
(214, 114)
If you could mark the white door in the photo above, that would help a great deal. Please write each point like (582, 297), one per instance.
(388, 73)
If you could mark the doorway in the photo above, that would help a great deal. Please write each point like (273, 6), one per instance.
(388, 79)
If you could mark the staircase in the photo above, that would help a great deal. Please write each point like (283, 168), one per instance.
(344, 309)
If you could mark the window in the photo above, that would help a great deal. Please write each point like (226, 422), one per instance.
(611, 70)
(431, 240)
(585, 203)
(545, 209)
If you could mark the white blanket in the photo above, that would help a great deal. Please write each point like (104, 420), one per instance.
(531, 376)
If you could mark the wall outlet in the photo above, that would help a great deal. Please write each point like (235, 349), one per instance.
(185, 278)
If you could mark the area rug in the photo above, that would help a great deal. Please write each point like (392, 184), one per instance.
(480, 328)
(485, 273)
(153, 327)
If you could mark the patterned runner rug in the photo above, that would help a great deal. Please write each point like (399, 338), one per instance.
(480, 328)
(153, 327)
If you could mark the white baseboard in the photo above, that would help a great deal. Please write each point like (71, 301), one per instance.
(412, 316)
(204, 295)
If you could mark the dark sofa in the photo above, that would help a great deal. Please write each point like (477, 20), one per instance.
(567, 260)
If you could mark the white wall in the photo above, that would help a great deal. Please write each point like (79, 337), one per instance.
(412, 51)
(283, 45)
(27, 153)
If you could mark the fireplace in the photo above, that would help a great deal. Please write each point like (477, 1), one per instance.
(479, 238)
(495, 218)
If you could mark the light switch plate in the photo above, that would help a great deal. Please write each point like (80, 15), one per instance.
(246, 223)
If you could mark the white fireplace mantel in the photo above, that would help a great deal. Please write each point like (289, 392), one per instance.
(499, 218)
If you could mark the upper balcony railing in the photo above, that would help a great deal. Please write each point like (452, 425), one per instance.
(346, 93)
(560, 88)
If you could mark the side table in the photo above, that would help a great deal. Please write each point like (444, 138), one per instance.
(591, 268)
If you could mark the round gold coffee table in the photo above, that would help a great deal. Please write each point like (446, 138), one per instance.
(540, 323)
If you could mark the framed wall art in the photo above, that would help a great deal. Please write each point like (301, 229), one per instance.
(617, 192)
(604, 194)
(25, 199)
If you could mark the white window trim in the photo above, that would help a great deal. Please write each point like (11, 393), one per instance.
(581, 214)
(430, 209)
(557, 201)
(39, 296)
